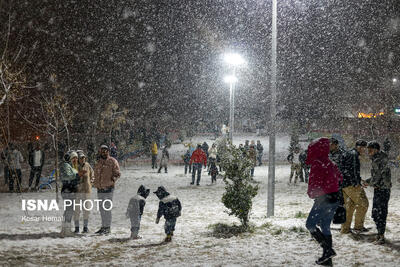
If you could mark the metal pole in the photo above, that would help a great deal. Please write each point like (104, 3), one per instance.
(231, 99)
(271, 166)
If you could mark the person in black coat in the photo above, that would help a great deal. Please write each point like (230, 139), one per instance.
(36, 161)
(170, 207)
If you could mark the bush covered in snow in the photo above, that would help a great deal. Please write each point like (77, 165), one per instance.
(239, 190)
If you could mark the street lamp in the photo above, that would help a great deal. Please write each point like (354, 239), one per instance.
(233, 60)
(231, 79)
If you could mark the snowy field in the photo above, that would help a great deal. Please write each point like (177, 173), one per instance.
(278, 241)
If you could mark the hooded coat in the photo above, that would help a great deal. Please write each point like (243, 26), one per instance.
(136, 204)
(324, 175)
(170, 207)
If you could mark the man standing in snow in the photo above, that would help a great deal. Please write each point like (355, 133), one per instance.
(260, 150)
(36, 161)
(295, 167)
(354, 195)
(106, 173)
(198, 159)
(381, 181)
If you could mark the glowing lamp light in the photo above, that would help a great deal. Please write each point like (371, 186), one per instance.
(395, 80)
(233, 59)
(37, 137)
(230, 79)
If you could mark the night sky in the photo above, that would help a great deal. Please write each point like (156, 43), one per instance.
(162, 60)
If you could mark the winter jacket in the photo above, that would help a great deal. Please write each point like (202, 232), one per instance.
(164, 158)
(86, 181)
(135, 208)
(205, 147)
(31, 158)
(351, 168)
(198, 156)
(69, 178)
(212, 153)
(260, 148)
(294, 157)
(252, 156)
(170, 207)
(186, 157)
(380, 172)
(106, 173)
(16, 159)
(337, 158)
(324, 177)
(154, 149)
(303, 158)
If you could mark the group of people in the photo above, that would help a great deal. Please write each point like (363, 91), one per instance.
(12, 158)
(78, 177)
(334, 180)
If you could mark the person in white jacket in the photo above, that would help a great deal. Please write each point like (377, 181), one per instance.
(16, 159)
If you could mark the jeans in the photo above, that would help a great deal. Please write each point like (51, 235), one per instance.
(106, 216)
(380, 209)
(186, 168)
(252, 172)
(169, 226)
(259, 158)
(153, 161)
(14, 174)
(321, 215)
(68, 210)
(81, 197)
(197, 167)
(35, 172)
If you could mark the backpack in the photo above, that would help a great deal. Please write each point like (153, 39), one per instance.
(172, 210)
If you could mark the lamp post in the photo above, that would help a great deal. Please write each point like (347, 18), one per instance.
(233, 60)
(271, 155)
(231, 80)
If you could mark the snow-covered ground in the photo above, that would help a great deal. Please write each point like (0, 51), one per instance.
(277, 241)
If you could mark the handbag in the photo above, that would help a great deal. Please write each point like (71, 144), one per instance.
(340, 215)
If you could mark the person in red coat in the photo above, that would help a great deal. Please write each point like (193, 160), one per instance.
(197, 160)
(323, 187)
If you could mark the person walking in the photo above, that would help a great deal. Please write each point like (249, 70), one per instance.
(381, 181)
(106, 174)
(205, 148)
(84, 191)
(295, 167)
(253, 158)
(186, 160)
(154, 153)
(5, 157)
(260, 151)
(164, 160)
(36, 161)
(197, 160)
(323, 187)
(355, 199)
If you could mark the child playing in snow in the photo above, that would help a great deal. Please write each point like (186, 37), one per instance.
(213, 171)
(135, 210)
(169, 207)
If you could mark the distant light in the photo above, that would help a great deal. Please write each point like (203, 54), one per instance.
(394, 80)
(230, 79)
(37, 137)
(233, 59)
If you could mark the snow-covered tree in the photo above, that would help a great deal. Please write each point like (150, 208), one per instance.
(239, 189)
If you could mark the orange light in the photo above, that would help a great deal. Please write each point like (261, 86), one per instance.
(37, 137)
(370, 115)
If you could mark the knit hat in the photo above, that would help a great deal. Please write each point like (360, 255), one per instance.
(361, 143)
(73, 154)
(374, 145)
(81, 154)
(104, 147)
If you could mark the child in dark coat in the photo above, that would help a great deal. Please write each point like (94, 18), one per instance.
(213, 171)
(135, 210)
(169, 207)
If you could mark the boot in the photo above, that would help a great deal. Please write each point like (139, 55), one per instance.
(380, 240)
(328, 251)
(106, 231)
(327, 263)
(135, 236)
(85, 230)
(76, 230)
(168, 238)
(100, 231)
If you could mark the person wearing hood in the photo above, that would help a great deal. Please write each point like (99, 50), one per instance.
(170, 207)
(323, 187)
(106, 174)
(70, 179)
(135, 210)
(205, 148)
(84, 191)
(186, 160)
(381, 181)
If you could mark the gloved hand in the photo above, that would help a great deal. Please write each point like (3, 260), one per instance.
(157, 220)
